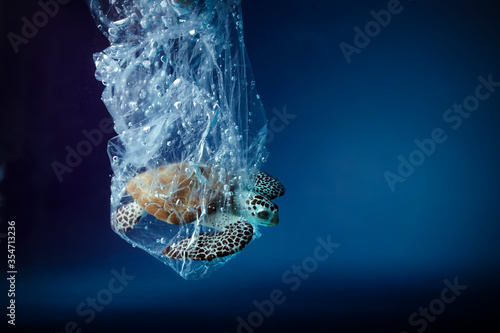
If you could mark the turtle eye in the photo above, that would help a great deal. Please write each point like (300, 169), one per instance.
(263, 215)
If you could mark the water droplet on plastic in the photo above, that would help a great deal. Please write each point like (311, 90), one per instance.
(121, 22)
(113, 31)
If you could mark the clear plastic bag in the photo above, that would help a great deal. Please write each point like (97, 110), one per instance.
(189, 121)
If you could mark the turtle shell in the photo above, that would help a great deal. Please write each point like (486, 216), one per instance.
(175, 193)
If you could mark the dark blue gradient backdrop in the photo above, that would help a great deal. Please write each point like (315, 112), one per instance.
(340, 129)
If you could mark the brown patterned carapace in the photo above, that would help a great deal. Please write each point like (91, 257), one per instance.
(175, 194)
(172, 193)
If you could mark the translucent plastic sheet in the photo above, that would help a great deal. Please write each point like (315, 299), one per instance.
(191, 129)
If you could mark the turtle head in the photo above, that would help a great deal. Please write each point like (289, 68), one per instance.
(257, 209)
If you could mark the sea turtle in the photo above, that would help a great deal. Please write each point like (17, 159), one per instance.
(180, 194)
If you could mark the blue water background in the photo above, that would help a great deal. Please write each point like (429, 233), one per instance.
(351, 122)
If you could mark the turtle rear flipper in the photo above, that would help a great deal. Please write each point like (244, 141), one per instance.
(127, 217)
(208, 246)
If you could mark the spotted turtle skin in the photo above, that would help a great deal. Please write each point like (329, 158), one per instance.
(173, 193)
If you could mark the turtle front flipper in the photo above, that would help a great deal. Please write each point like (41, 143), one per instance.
(127, 217)
(208, 246)
(268, 186)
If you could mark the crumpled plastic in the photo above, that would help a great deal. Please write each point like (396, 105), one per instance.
(179, 87)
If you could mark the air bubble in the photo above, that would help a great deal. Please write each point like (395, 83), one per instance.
(180, 90)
